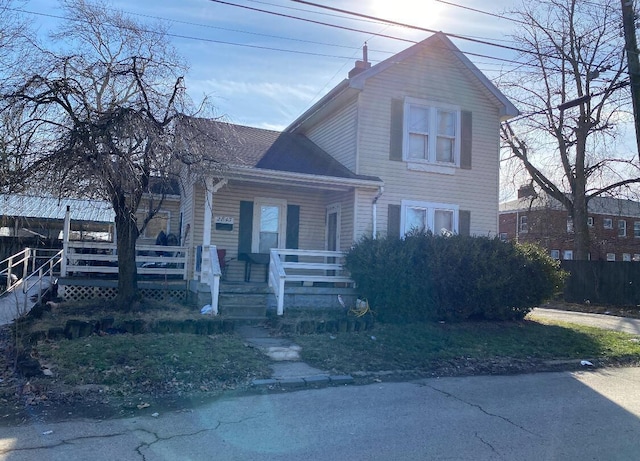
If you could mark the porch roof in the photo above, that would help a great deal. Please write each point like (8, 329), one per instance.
(245, 148)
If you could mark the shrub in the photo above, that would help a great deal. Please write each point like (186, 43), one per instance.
(426, 277)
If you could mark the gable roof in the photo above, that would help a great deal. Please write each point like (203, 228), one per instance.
(245, 147)
(349, 87)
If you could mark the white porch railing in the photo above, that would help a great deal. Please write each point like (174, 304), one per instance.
(312, 266)
(102, 258)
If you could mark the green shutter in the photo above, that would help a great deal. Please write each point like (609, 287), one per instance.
(393, 221)
(293, 230)
(464, 222)
(465, 139)
(245, 228)
(397, 123)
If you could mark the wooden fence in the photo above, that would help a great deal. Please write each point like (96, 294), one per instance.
(603, 282)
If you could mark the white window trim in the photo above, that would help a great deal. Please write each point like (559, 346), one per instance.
(607, 223)
(567, 255)
(611, 256)
(431, 207)
(523, 224)
(636, 227)
(626, 257)
(622, 228)
(590, 221)
(282, 225)
(555, 254)
(430, 165)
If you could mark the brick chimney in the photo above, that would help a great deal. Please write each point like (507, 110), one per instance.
(526, 190)
(363, 65)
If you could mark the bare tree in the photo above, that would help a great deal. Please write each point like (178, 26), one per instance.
(574, 96)
(108, 118)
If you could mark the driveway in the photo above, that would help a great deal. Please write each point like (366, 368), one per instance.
(607, 322)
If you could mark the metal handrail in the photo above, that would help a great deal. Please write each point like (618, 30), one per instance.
(52, 262)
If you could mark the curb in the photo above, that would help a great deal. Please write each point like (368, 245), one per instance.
(311, 382)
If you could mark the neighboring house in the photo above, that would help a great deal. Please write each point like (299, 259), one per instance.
(614, 226)
(411, 142)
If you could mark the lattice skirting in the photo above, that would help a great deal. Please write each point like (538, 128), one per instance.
(82, 293)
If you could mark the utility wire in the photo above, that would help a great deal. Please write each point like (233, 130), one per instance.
(475, 10)
(409, 26)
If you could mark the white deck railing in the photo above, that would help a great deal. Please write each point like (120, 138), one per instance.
(312, 266)
(102, 258)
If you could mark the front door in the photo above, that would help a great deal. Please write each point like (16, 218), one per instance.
(333, 231)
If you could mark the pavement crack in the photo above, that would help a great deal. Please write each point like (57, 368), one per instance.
(479, 407)
(62, 442)
(493, 449)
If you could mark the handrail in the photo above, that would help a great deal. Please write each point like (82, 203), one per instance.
(54, 261)
(282, 271)
(214, 277)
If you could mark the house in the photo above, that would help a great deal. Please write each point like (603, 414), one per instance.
(411, 142)
(614, 226)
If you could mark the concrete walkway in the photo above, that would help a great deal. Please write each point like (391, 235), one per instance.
(288, 371)
(606, 322)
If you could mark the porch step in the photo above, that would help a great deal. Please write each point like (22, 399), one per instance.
(243, 305)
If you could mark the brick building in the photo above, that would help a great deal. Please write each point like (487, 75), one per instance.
(614, 226)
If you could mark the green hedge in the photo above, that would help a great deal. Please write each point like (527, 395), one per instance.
(425, 277)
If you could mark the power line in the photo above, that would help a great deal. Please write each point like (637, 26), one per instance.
(409, 26)
(475, 10)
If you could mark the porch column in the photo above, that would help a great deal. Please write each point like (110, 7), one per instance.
(211, 189)
(65, 241)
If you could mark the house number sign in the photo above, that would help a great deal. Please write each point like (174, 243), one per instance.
(224, 223)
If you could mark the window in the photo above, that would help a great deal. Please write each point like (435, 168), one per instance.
(268, 225)
(570, 225)
(503, 236)
(622, 228)
(590, 221)
(611, 256)
(607, 223)
(439, 218)
(555, 254)
(567, 255)
(626, 257)
(636, 257)
(431, 132)
(524, 226)
(636, 229)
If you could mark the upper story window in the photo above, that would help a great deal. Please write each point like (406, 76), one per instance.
(524, 225)
(590, 221)
(636, 229)
(611, 256)
(569, 225)
(567, 255)
(555, 254)
(622, 228)
(504, 236)
(607, 223)
(432, 132)
(439, 218)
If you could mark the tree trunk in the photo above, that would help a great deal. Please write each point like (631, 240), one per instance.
(127, 235)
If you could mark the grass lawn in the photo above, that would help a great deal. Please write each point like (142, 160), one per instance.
(170, 364)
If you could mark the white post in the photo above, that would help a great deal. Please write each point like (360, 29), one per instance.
(65, 241)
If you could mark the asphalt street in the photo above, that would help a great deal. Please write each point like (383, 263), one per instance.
(546, 416)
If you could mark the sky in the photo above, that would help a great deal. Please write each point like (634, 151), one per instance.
(265, 69)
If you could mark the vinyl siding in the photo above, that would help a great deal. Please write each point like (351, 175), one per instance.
(438, 77)
(337, 135)
(226, 202)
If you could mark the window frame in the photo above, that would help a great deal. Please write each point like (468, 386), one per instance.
(607, 223)
(590, 221)
(626, 257)
(567, 255)
(555, 254)
(257, 214)
(430, 208)
(432, 108)
(622, 228)
(636, 229)
(523, 224)
(611, 257)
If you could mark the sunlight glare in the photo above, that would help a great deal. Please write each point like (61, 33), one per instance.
(422, 13)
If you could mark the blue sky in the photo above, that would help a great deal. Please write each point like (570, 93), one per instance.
(264, 70)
